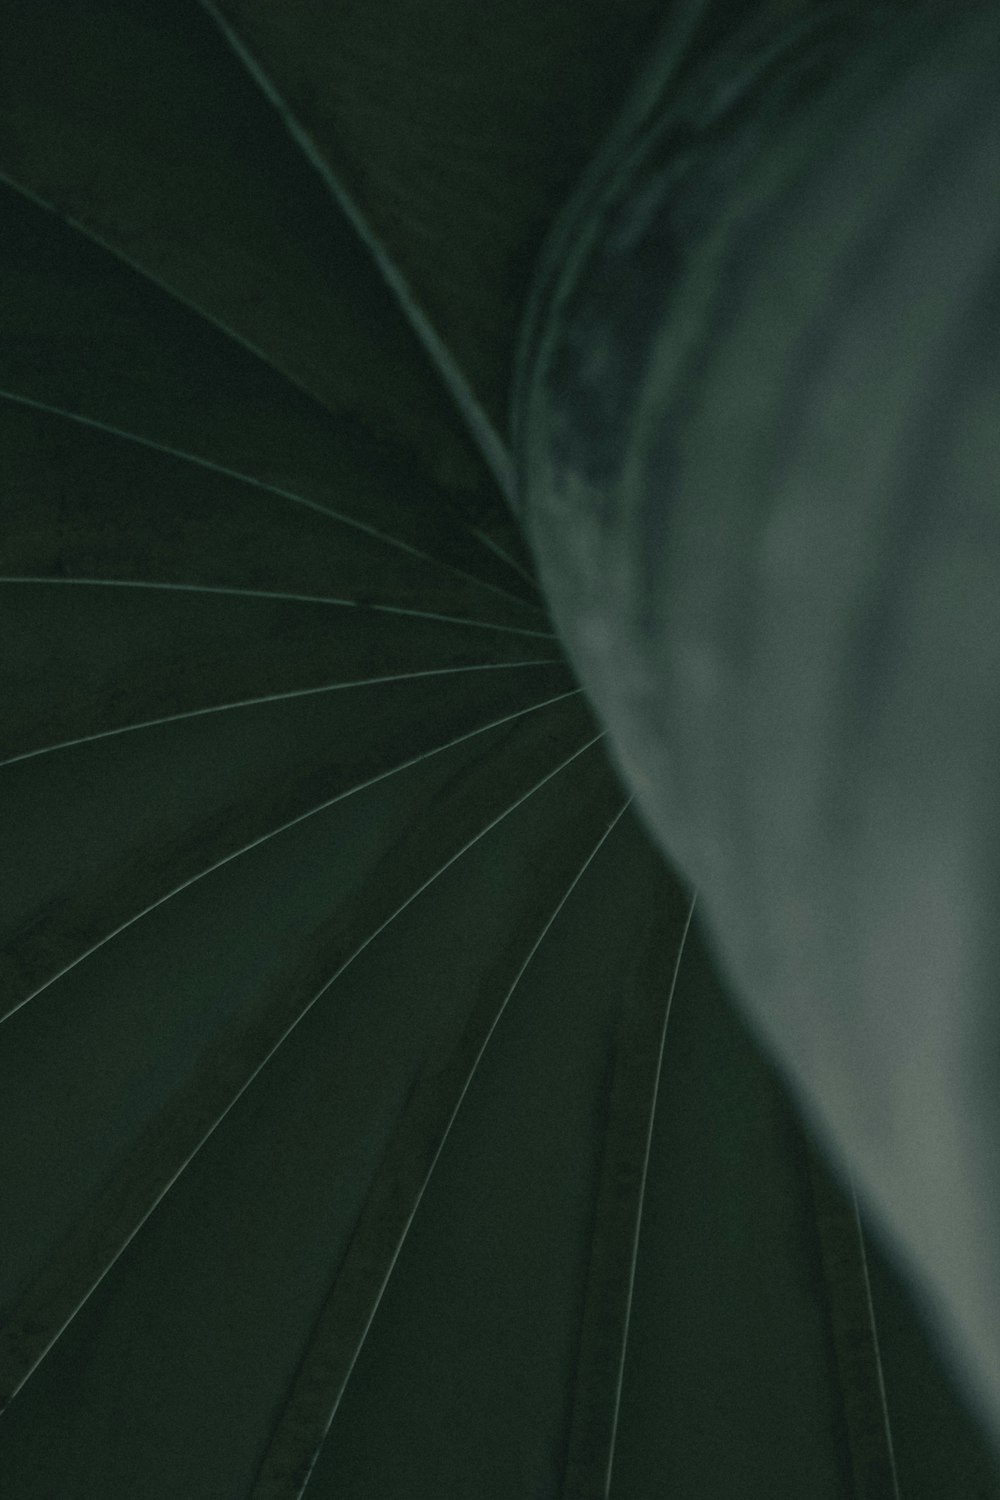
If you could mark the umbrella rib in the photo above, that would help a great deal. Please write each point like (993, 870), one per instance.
(855, 1331)
(277, 595)
(278, 491)
(326, 687)
(614, 1255)
(488, 439)
(503, 554)
(47, 1307)
(273, 833)
(889, 1454)
(391, 1205)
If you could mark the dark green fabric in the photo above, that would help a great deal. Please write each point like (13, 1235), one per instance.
(375, 1118)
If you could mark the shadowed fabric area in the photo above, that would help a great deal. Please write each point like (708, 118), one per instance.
(381, 1115)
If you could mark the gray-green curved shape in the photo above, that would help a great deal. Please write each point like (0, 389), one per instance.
(757, 427)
